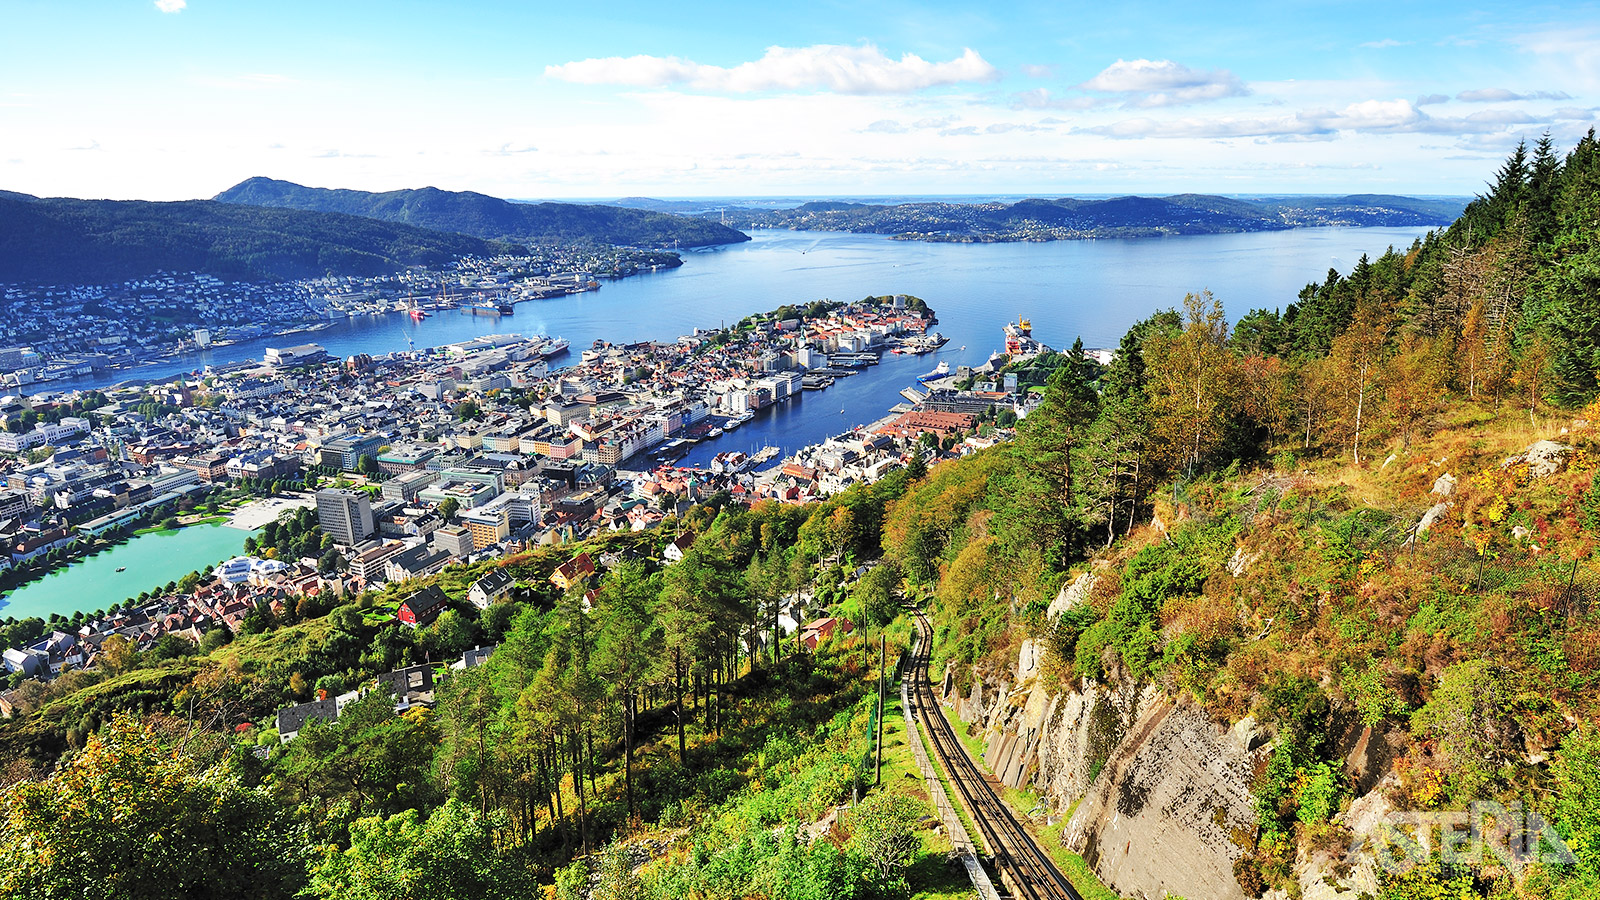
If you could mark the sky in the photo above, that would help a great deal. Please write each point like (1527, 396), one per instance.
(180, 99)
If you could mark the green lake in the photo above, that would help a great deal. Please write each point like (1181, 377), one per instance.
(149, 561)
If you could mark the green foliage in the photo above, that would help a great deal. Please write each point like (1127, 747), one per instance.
(1430, 879)
(1477, 716)
(884, 829)
(1576, 773)
(371, 758)
(444, 856)
(146, 807)
(878, 593)
(1154, 575)
(1374, 699)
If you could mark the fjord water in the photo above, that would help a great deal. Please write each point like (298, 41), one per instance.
(1092, 289)
(148, 560)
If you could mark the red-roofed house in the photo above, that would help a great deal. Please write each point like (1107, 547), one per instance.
(572, 571)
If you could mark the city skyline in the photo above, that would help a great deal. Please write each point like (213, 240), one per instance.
(170, 100)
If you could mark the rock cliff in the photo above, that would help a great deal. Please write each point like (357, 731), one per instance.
(1158, 792)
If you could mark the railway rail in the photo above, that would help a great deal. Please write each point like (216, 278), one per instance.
(1026, 871)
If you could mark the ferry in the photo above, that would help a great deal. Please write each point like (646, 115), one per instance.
(924, 343)
(939, 371)
(554, 348)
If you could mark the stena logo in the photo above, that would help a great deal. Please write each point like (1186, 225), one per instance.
(1485, 833)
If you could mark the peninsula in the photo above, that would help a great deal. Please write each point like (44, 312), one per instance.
(1068, 218)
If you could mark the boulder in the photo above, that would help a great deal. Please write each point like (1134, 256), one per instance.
(1248, 735)
(1544, 458)
(1434, 514)
(1073, 593)
(1444, 485)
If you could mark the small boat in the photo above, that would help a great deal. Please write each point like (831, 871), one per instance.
(123, 569)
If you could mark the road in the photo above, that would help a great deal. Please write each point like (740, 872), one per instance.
(1025, 869)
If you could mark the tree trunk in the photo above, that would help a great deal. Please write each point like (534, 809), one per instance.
(555, 780)
(627, 747)
(577, 786)
(1361, 398)
(677, 672)
(588, 764)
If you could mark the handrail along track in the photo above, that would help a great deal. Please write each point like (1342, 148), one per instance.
(1025, 868)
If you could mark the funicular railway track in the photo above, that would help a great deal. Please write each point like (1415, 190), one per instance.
(1026, 871)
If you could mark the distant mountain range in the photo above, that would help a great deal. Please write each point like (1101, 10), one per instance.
(267, 229)
(491, 218)
(66, 241)
(1067, 218)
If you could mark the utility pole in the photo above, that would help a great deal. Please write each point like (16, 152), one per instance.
(882, 678)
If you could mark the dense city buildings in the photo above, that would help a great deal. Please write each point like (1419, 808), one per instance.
(412, 462)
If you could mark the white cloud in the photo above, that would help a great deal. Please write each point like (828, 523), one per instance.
(1432, 100)
(1032, 71)
(1571, 54)
(1501, 95)
(172, 6)
(509, 149)
(1039, 98)
(830, 67)
(1165, 83)
(1384, 44)
(1366, 117)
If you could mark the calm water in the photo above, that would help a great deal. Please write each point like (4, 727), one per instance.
(151, 559)
(1092, 289)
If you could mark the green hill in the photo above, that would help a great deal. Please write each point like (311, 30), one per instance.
(490, 217)
(62, 240)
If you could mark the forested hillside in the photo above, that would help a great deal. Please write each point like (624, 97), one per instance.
(1333, 517)
(66, 241)
(491, 218)
(1328, 521)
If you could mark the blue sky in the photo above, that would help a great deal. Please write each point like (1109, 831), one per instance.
(173, 99)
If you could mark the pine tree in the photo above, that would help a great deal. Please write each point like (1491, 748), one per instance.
(1046, 472)
(1544, 185)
